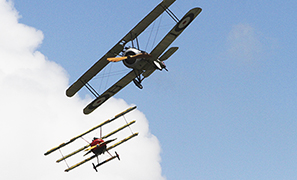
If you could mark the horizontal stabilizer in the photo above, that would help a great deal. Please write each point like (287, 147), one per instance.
(168, 53)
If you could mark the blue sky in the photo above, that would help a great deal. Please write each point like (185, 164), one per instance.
(227, 107)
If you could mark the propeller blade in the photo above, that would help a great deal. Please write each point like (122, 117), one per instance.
(92, 147)
(117, 59)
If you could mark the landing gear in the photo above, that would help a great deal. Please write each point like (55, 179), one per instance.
(109, 159)
(94, 166)
(137, 81)
(117, 155)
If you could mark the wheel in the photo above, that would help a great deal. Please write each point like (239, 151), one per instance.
(137, 83)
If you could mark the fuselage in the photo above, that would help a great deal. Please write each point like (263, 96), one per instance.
(101, 146)
(134, 63)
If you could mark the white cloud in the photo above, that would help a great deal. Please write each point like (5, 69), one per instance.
(244, 44)
(36, 115)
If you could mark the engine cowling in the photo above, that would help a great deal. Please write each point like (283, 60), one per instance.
(135, 63)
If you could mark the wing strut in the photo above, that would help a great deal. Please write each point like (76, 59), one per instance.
(91, 89)
(171, 14)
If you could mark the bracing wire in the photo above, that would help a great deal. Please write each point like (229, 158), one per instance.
(104, 69)
(150, 35)
(111, 74)
(108, 76)
(128, 126)
(85, 140)
(157, 31)
(63, 158)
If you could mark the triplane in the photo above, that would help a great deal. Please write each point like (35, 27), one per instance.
(98, 145)
(143, 64)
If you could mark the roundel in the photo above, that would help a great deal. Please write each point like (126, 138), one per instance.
(184, 22)
(99, 101)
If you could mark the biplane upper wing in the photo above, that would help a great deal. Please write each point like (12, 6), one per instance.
(101, 63)
(172, 35)
(111, 91)
(145, 22)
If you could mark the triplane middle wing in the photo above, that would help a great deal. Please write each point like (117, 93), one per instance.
(98, 145)
(143, 64)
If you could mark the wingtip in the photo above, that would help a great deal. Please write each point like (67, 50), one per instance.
(69, 92)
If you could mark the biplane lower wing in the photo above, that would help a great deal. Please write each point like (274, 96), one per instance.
(101, 63)
(111, 91)
(171, 36)
(94, 70)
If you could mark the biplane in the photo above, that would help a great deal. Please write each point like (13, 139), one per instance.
(98, 146)
(143, 64)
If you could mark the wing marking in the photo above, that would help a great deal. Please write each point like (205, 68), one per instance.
(175, 32)
(111, 91)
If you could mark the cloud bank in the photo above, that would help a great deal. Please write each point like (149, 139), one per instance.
(36, 115)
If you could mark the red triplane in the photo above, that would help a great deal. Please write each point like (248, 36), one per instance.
(98, 145)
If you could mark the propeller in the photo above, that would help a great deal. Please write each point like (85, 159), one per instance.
(92, 147)
(140, 55)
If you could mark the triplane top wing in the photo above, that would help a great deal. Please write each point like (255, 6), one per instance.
(97, 146)
(101, 63)
(143, 64)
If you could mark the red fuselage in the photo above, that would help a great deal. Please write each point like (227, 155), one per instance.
(101, 146)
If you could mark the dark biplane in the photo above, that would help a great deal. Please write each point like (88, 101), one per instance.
(142, 63)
